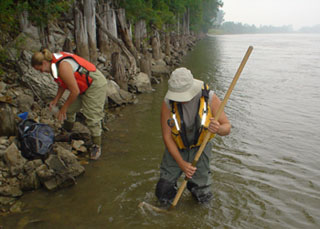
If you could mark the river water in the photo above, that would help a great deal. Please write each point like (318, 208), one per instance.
(266, 173)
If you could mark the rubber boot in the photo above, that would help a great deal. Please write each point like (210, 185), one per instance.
(165, 191)
(95, 150)
(67, 125)
(201, 194)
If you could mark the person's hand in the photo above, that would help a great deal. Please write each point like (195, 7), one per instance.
(188, 169)
(53, 103)
(62, 115)
(214, 126)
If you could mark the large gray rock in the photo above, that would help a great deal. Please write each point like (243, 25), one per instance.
(160, 70)
(30, 180)
(7, 122)
(14, 160)
(10, 190)
(118, 95)
(141, 83)
(62, 168)
(25, 102)
(3, 87)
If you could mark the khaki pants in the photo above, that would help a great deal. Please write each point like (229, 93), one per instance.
(91, 104)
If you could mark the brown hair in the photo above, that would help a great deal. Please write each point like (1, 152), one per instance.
(39, 57)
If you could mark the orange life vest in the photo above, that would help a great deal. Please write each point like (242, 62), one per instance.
(81, 74)
(178, 129)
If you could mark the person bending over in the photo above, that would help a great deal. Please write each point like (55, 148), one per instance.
(87, 86)
(187, 114)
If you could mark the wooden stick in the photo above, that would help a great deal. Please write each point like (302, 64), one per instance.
(207, 136)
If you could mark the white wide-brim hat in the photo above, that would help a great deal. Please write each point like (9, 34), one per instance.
(182, 87)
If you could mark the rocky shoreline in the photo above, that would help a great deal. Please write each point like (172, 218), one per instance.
(25, 90)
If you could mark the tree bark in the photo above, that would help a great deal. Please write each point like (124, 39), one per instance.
(155, 44)
(112, 21)
(118, 71)
(140, 34)
(103, 37)
(145, 61)
(89, 10)
(24, 21)
(132, 60)
(125, 33)
(80, 31)
(67, 46)
(167, 46)
(186, 22)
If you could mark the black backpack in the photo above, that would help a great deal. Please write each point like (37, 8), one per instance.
(36, 139)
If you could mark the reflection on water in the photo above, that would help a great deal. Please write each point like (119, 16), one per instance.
(265, 173)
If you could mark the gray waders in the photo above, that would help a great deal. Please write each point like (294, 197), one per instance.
(199, 185)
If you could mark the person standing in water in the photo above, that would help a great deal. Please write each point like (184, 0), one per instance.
(186, 115)
(87, 86)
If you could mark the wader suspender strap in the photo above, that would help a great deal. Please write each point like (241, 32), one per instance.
(183, 127)
(174, 116)
(205, 94)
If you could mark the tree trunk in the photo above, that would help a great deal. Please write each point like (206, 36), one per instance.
(125, 33)
(186, 22)
(67, 46)
(167, 46)
(89, 10)
(175, 40)
(103, 37)
(44, 36)
(155, 43)
(80, 31)
(178, 24)
(118, 71)
(140, 34)
(112, 22)
(132, 60)
(23, 21)
(145, 61)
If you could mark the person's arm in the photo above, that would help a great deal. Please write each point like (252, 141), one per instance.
(57, 98)
(186, 167)
(221, 127)
(66, 74)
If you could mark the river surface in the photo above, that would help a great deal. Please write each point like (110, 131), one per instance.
(266, 173)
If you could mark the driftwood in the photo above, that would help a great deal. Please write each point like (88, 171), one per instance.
(132, 60)
(125, 33)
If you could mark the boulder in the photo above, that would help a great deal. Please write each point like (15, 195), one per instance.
(7, 122)
(141, 83)
(160, 70)
(117, 95)
(14, 160)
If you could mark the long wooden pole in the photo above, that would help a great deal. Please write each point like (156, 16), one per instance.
(207, 136)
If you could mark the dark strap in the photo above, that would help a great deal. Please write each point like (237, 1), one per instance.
(205, 91)
(87, 78)
(182, 127)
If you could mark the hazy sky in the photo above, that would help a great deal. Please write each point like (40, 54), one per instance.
(297, 13)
